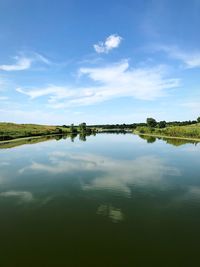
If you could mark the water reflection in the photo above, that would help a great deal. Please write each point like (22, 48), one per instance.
(83, 137)
(107, 173)
(113, 193)
(179, 142)
(39, 139)
(149, 139)
(23, 196)
(114, 214)
(172, 141)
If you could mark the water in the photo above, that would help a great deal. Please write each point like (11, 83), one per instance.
(113, 200)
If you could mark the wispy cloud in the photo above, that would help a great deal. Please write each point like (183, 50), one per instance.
(111, 42)
(39, 57)
(23, 62)
(190, 59)
(112, 81)
(55, 92)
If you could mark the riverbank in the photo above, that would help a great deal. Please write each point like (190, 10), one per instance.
(10, 131)
(189, 132)
(168, 137)
(13, 131)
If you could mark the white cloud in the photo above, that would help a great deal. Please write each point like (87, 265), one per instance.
(24, 62)
(190, 59)
(112, 81)
(112, 41)
(56, 91)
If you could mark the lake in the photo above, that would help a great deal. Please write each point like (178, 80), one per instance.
(104, 200)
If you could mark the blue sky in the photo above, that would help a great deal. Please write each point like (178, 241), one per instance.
(69, 61)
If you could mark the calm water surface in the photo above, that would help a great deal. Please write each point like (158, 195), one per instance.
(113, 200)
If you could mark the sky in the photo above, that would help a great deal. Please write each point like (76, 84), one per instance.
(108, 61)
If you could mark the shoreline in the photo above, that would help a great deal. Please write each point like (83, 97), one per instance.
(135, 133)
(169, 137)
(26, 138)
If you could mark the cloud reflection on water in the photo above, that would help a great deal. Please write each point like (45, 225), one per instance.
(114, 214)
(24, 196)
(107, 173)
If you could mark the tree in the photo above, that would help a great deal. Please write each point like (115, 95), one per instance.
(82, 127)
(162, 124)
(151, 122)
(73, 129)
(198, 119)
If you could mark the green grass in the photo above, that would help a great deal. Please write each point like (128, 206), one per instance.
(189, 131)
(12, 131)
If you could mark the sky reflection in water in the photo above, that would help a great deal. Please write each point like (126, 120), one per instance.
(108, 180)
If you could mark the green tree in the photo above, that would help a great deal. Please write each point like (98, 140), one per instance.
(198, 119)
(162, 124)
(151, 122)
(73, 129)
(82, 127)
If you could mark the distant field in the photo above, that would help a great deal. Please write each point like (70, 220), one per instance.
(11, 130)
(189, 131)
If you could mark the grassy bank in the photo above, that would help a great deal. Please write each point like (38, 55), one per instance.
(10, 131)
(186, 132)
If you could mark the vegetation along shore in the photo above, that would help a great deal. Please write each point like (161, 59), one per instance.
(176, 129)
(186, 130)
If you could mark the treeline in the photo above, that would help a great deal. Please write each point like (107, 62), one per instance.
(187, 129)
(151, 122)
(81, 128)
(117, 126)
